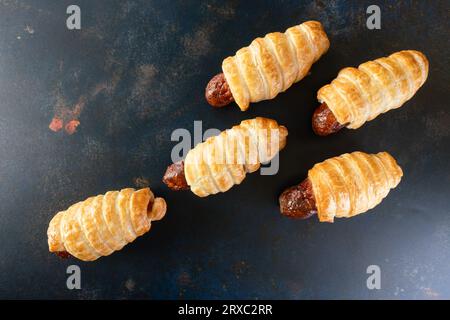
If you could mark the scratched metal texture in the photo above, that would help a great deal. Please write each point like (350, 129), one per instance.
(135, 72)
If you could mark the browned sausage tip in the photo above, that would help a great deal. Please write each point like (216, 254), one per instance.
(298, 201)
(63, 254)
(217, 92)
(324, 122)
(174, 177)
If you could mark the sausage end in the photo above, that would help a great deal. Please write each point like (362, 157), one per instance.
(217, 92)
(174, 177)
(63, 254)
(298, 201)
(324, 122)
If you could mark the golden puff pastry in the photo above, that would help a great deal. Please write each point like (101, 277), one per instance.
(100, 225)
(342, 186)
(375, 87)
(223, 160)
(352, 183)
(270, 65)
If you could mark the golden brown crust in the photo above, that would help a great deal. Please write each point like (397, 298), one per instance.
(360, 95)
(223, 161)
(352, 183)
(270, 65)
(100, 225)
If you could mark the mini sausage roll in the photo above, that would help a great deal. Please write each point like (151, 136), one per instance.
(100, 225)
(342, 187)
(268, 66)
(361, 94)
(224, 160)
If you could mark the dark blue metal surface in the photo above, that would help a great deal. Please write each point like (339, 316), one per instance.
(140, 68)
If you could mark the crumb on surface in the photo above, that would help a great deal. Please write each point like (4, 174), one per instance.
(71, 126)
(56, 124)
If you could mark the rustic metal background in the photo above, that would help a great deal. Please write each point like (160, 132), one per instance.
(135, 72)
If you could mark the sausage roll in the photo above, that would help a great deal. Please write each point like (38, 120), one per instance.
(360, 94)
(223, 161)
(268, 66)
(343, 186)
(100, 225)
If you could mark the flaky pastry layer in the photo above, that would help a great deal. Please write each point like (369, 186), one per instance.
(360, 94)
(223, 161)
(270, 65)
(100, 225)
(352, 183)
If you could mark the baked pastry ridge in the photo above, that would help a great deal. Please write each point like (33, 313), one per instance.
(100, 225)
(360, 94)
(352, 183)
(270, 65)
(223, 160)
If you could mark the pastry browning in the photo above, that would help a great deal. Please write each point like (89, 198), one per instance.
(375, 87)
(223, 160)
(270, 65)
(100, 225)
(343, 186)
